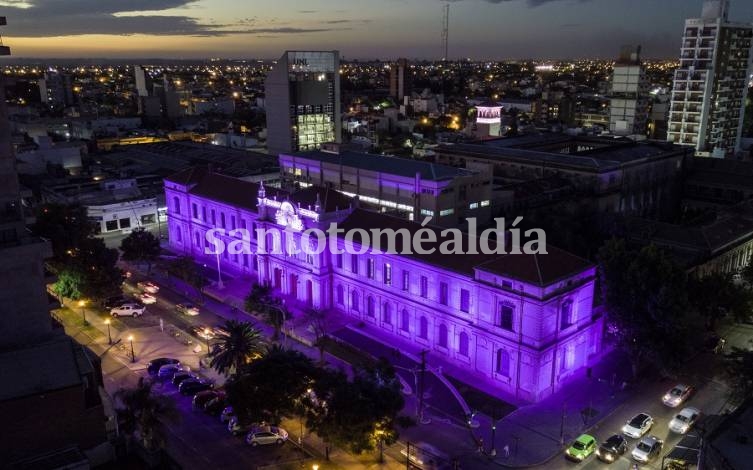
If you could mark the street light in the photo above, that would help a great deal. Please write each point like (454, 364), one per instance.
(315, 467)
(109, 337)
(82, 304)
(133, 355)
(206, 337)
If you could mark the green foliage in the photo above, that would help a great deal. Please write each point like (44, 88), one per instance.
(89, 271)
(648, 307)
(66, 226)
(141, 245)
(238, 344)
(716, 295)
(261, 301)
(68, 284)
(143, 411)
(185, 268)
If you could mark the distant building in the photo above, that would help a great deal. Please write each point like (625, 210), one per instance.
(711, 84)
(303, 101)
(400, 80)
(488, 120)
(140, 78)
(56, 89)
(413, 189)
(628, 100)
(199, 106)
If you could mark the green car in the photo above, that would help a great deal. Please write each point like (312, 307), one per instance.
(583, 446)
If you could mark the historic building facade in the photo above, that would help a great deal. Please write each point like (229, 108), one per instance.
(524, 323)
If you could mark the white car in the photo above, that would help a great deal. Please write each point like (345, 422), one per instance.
(684, 420)
(647, 449)
(678, 395)
(187, 309)
(128, 310)
(148, 287)
(147, 299)
(638, 425)
(167, 371)
(267, 435)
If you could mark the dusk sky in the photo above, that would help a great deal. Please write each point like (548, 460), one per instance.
(495, 29)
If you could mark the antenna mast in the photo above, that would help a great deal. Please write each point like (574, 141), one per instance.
(446, 30)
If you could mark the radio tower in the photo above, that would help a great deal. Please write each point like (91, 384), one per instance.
(446, 30)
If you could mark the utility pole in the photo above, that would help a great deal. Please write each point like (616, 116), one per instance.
(562, 423)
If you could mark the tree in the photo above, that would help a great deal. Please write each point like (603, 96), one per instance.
(271, 308)
(747, 271)
(185, 268)
(716, 295)
(141, 245)
(646, 298)
(66, 226)
(89, 271)
(238, 344)
(317, 321)
(272, 386)
(362, 413)
(144, 412)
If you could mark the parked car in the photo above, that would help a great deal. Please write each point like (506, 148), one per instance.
(114, 302)
(180, 376)
(148, 287)
(147, 299)
(424, 456)
(647, 449)
(202, 398)
(227, 414)
(581, 448)
(215, 405)
(236, 428)
(271, 435)
(611, 449)
(168, 371)
(128, 310)
(154, 365)
(678, 395)
(187, 309)
(194, 386)
(638, 425)
(684, 420)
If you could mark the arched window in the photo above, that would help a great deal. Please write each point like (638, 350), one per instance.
(566, 314)
(354, 301)
(423, 328)
(340, 295)
(463, 344)
(386, 314)
(442, 340)
(405, 320)
(176, 204)
(370, 306)
(503, 363)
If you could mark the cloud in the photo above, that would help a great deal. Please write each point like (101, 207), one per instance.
(48, 18)
(530, 3)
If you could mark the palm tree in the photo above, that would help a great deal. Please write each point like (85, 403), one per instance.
(236, 345)
(146, 412)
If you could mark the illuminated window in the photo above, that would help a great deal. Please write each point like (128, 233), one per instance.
(443, 293)
(446, 212)
(405, 320)
(387, 273)
(503, 363)
(484, 203)
(370, 268)
(423, 328)
(386, 314)
(424, 287)
(406, 280)
(427, 212)
(176, 205)
(566, 314)
(442, 340)
(463, 344)
(505, 317)
(474, 205)
(465, 300)
(370, 306)
(354, 301)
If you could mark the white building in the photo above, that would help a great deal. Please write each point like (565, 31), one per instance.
(628, 104)
(710, 86)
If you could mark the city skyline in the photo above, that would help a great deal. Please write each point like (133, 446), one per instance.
(479, 29)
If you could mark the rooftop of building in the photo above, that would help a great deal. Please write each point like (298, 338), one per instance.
(386, 164)
(584, 152)
(733, 437)
(91, 191)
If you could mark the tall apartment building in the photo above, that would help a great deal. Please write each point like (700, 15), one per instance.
(400, 80)
(710, 86)
(140, 78)
(303, 101)
(628, 101)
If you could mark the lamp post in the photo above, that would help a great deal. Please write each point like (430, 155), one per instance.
(220, 285)
(133, 354)
(206, 337)
(82, 304)
(109, 336)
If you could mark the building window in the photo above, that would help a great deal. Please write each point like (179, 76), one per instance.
(214, 218)
(387, 274)
(386, 314)
(423, 328)
(232, 222)
(405, 320)
(339, 260)
(125, 223)
(465, 300)
(473, 205)
(406, 280)
(245, 260)
(178, 236)
(111, 225)
(176, 205)
(198, 239)
(148, 219)
(203, 213)
(463, 344)
(354, 301)
(222, 219)
(424, 287)
(370, 306)
(340, 295)
(427, 212)
(370, 268)
(442, 340)
(503, 363)
(195, 210)
(505, 317)
(566, 314)
(354, 263)
(485, 203)
(446, 212)
(443, 293)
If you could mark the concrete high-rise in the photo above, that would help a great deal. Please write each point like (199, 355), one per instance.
(628, 101)
(303, 101)
(140, 77)
(400, 83)
(710, 86)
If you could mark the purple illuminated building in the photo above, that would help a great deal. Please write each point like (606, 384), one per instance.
(523, 323)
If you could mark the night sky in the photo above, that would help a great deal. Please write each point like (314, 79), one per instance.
(493, 29)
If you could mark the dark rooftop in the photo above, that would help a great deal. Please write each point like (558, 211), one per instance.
(387, 164)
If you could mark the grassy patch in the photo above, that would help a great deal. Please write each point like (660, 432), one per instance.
(74, 320)
(346, 352)
(483, 402)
